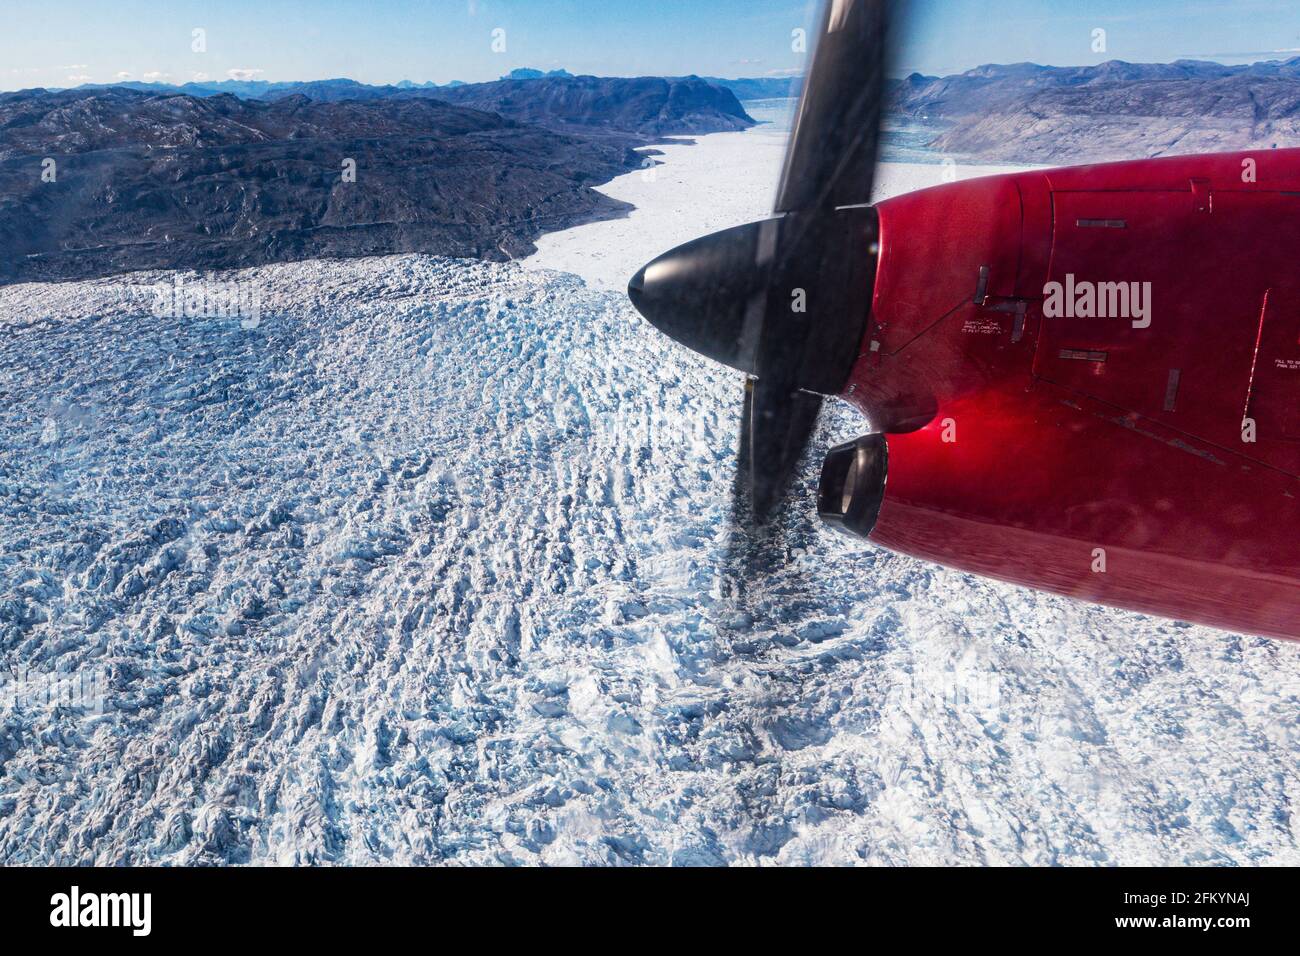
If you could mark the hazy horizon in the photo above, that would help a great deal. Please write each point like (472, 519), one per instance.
(385, 41)
(425, 84)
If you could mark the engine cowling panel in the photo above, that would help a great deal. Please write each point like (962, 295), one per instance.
(1017, 452)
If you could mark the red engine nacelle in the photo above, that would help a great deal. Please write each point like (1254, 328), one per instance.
(1146, 457)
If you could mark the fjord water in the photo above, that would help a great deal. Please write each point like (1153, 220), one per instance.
(904, 140)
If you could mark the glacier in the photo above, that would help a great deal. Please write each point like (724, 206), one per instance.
(434, 564)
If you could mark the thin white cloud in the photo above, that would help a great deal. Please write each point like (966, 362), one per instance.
(244, 73)
(79, 78)
(156, 77)
(76, 66)
(1289, 51)
(200, 77)
(122, 76)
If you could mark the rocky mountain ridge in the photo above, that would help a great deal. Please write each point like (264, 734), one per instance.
(103, 180)
(1026, 113)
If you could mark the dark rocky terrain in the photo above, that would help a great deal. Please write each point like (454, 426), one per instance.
(1057, 115)
(170, 180)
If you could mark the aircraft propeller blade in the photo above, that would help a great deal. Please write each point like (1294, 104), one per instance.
(831, 159)
(830, 163)
(785, 300)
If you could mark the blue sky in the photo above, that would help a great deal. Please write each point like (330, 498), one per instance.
(68, 42)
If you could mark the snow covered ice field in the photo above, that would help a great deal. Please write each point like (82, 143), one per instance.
(432, 566)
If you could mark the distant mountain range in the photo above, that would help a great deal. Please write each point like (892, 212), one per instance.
(238, 173)
(147, 179)
(646, 106)
(340, 89)
(1026, 113)
(1020, 112)
(760, 88)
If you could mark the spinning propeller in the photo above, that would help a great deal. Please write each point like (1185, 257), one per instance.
(785, 300)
